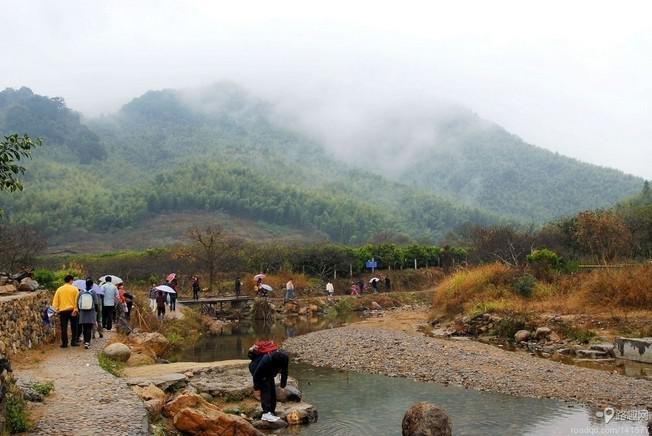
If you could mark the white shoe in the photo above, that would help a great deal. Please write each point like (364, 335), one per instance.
(270, 417)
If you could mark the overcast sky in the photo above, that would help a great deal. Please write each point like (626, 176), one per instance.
(571, 76)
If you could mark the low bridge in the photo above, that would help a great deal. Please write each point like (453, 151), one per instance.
(209, 305)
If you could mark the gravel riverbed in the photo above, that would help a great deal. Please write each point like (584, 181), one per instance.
(466, 363)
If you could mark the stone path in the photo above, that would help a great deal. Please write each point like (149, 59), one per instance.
(87, 400)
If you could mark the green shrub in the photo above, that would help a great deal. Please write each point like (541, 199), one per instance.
(508, 326)
(16, 413)
(44, 388)
(524, 285)
(109, 365)
(45, 277)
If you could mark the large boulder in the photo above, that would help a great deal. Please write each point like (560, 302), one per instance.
(171, 381)
(154, 343)
(521, 336)
(139, 359)
(376, 306)
(117, 351)
(289, 393)
(425, 419)
(153, 398)
(7, 289)
(192, 414)
(28, 285)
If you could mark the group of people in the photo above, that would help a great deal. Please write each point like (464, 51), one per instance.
(357, 288)
(89, 308)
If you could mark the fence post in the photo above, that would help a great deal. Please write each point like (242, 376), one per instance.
(351, 270)
(415, 264)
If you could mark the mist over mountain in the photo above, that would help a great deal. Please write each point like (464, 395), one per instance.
(409, 172)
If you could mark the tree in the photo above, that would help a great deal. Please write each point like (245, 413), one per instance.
(604, 235)
(13, 148)
(211, 250)
(20, 245)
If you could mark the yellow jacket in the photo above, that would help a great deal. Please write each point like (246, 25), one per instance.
(65, 298)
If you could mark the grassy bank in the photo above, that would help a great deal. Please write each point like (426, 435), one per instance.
(618, 298)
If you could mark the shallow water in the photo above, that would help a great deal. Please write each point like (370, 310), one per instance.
(365, 404)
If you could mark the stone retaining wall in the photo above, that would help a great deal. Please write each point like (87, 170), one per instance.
(21, 326)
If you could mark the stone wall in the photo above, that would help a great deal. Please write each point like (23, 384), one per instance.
(21, 326)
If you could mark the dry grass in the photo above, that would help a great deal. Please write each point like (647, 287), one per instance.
(489, 288)
(467, 288)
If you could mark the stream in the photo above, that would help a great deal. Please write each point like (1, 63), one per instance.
(366, 404)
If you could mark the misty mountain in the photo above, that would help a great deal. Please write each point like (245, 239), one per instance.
(219, 150)
(22, 111)
(450, 151)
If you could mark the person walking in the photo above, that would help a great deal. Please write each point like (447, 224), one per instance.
(160, 305)
(238, 286)
(87, 305)
(153, 292)
(109, 301)
(330, 289)
(65, 302)
(360, 286)
(289, 290)
(266, 362)
(388, 284)
(172, 282)
(355, 290)
(374, 285)
(195, 288)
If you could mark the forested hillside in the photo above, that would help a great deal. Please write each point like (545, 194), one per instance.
(218, 149)
(214, 151)
(486, 166)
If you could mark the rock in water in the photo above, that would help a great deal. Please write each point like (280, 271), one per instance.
(521, 336)
(117, 351)
(289, 393)
(425, 419)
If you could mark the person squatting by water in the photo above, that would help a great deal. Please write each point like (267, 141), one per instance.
(266, 362)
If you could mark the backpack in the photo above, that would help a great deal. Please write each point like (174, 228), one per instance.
(86, 301)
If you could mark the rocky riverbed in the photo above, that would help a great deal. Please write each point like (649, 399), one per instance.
(470, 364)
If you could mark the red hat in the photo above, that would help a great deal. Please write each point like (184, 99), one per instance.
(265, 347)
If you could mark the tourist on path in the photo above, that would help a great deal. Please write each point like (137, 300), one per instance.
(99, 300)
(160, 305)
(360, 286)
(355, 290)
(330, 289)
(238, 286)
(109, 301)
(388, 284)
(153, 292)
(289, 290)
(65, 302)
(266, 362)
(172, 282)
(374, 285)
(87, 304)
(195, 288)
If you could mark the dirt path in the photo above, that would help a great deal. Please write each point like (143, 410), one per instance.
(87, 400)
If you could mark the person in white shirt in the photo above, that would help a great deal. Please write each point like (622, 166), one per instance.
(289, 290)
(330, 289)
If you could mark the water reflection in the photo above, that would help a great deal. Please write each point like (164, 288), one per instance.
(367, 404)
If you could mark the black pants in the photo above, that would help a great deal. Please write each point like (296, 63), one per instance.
(160, 312)
(65, 317)
(107, 317)
(87, 329)
(173, 302)
(195, 294)
(268, 395)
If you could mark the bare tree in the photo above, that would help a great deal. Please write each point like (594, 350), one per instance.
(20, 246)
(212, 250)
